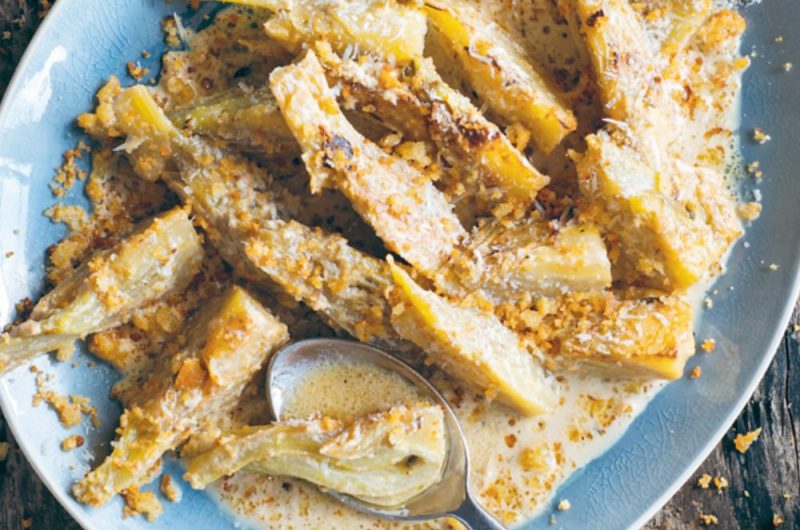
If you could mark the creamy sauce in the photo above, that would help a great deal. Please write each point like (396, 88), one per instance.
(345, 390)
(518, 463)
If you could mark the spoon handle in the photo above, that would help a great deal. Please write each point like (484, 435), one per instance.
(475, 517)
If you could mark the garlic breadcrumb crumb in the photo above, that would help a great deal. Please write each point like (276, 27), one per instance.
(169, 489)
(749, 211)
(141, 503)
(744, 441)
(760, 136)
(72, 442)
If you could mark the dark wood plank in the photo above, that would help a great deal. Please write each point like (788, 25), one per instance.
(769, 472)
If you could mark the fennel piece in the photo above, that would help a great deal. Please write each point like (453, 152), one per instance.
(472, 346)
(647, 337)
(627, 69)
(416, 102)
(226, 343)
(249, 120)
(686, 18)
(384, 459)
(663, 242)
(410, 215)
(506, 264)
(500, 72)
(237, 206)
(388, 27)
(160, 256)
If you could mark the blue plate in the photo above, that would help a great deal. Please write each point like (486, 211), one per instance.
(82, 42)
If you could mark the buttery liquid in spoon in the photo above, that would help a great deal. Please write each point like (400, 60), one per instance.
(345, 390)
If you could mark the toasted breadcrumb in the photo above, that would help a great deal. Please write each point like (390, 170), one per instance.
(171, 37)
(414, 152)
(709, 345)
(86, 408)
(704, 481)
(137, 71)
(720, 483)
(753, 169)
(391, 140)
(4, 448)
(519, 136)
(141, 503)
(748, 211)
(695, 373)
(69, 409)
(760, 136)
(27, 522)
(64, 353)
(744, 441)
(708, 519)
(777, 520)
(787, 67)
(564, 505)
(535, 458)
(69, 414)
(169, 489)
(69, 172)
(72, 442)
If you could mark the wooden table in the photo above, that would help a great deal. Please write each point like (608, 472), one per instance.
(762, 483)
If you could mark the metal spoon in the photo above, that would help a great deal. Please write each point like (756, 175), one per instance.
(451, 495)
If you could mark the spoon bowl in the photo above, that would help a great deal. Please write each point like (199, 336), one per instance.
(451, 495)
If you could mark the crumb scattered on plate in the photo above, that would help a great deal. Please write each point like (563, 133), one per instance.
(72, 442)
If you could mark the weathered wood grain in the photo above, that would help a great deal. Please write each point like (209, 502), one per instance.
(765, 481)
(769, 472)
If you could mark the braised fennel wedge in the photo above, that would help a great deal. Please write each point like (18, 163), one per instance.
(161, 256)
(388, 27)
(411, 216)
(238, 207)
(384, 459)
(226, 343)
(500, 72)
(472, 345)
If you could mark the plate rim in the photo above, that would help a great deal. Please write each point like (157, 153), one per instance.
(64, 499)
(17, 79)
(736, 411)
